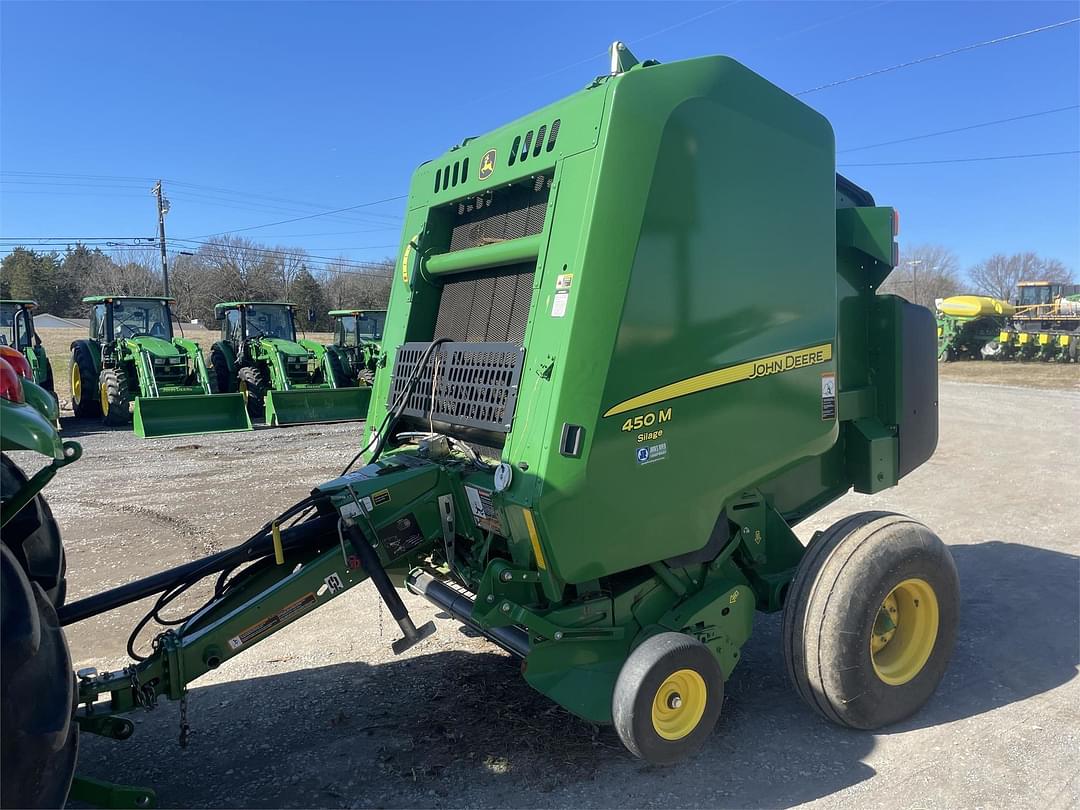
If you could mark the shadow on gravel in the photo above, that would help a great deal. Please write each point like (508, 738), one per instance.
(452, 729)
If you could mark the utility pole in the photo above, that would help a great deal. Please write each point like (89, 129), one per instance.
(162, 210)
(914, 265)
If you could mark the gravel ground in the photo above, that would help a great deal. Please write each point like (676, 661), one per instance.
(323, 714)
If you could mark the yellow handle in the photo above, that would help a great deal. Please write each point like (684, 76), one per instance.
(279, 552)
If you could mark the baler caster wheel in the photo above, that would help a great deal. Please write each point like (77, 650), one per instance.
(667, 698)
(870, 619)
(39, 738)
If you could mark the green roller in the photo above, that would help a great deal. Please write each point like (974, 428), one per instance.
(133, 370)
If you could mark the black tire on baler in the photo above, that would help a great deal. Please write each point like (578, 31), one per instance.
(39, 739)
(33, 537)
(85, 406)
(856, 578)
(115, 396)
(253, 385)
(659, 670)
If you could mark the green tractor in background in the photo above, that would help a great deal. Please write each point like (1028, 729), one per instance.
(357, 346)
(17, 331)
(132, 356)
(285, 381)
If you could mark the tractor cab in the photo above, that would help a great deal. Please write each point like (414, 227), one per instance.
(17, 331)
(355, 327)
(17, 324)
(120, 317)
(242, 321)
(1041, 299)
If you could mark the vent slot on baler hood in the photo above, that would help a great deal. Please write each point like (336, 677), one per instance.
(504, 213)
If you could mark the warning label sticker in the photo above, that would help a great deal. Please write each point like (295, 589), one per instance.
(558, 306)
(828, 396)
(287, 613)
(401, 536)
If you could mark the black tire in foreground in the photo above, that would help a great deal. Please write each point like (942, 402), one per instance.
(33, 537)
(115, 397)
(253, 386)
(870, 619)
(39, 738)
(667, 698)
(84, 378)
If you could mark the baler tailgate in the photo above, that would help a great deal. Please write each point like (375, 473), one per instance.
(155, 417)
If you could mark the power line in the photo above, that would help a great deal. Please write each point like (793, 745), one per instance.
(942, 55)
(959, 129)
(965, 160)
(309, 216)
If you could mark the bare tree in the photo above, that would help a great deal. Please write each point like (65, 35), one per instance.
(998, 275)
(924, 274)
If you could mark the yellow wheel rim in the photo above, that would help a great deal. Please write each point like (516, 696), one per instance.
(905, 631)
(679, 704)
(76, 382)
(104, 400)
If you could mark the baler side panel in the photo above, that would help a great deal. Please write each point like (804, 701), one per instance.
(707, 289)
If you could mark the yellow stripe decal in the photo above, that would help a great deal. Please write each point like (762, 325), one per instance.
(752, 370)
(535, 539)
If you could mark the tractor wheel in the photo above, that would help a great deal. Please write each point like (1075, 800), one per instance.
(870, 619)
(253, 386)
(220, 378)
(367, 377)
(114, 396)
(33, 537)
(667, 698)
(83, 391)
(39, 739)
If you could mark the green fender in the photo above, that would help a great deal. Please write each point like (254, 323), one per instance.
(39, 363)
(42, 400)
(24, 427)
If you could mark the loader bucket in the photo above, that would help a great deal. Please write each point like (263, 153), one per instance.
(302, 405)
(180, 415)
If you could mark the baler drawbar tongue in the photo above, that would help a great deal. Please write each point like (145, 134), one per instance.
(298, 406)
(156, 417)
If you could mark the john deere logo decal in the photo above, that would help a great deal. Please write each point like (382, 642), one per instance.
(487, 164)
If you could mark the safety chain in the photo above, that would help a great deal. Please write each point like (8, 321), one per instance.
(143, 694)
(185, 729)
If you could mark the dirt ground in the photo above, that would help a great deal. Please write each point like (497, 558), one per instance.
(323, 714)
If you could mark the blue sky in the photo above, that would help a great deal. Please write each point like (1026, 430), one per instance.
(271, 111)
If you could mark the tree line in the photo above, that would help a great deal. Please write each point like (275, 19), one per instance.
(928, 272)
(224, 269)
(237, 269)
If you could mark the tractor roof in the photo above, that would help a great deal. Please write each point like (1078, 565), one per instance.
(339, 312)
(19, 302)
(105, 299)
(237, 304)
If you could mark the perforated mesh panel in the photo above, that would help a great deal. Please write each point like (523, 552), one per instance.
(487, 305)
(476, 383)
(505, 213)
